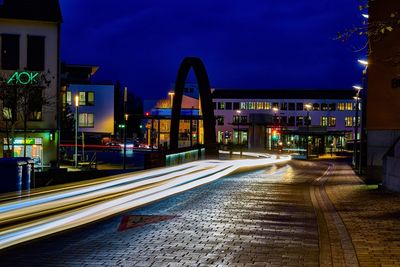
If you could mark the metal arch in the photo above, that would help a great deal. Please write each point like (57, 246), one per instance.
(206, 104)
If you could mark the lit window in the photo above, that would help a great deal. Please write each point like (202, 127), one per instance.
(340, 106)
(267, 105)
(348, 121)
(90, 99)
(332, 122)
(7, 113)
(316, 106)
(358, 121)
(86, 120)
(69, 97)
(324, 121)
(349, 106)
(324, 107)
(82, 98)
(260, 105)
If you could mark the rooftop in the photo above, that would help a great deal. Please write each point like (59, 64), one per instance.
(39, 10)
(283, 94)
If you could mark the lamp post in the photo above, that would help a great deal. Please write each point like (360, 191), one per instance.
(363, 133)
(238, 129)
(76, 130)
(125, 120)
(356, 125)
(308, 108)
(171, 95)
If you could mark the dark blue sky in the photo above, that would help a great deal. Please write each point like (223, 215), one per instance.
(244, 44)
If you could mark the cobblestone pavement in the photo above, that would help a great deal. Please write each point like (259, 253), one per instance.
(301, 214)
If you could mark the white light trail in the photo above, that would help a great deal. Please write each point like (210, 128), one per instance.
(170, 181)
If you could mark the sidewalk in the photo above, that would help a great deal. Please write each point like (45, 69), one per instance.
(371, 217)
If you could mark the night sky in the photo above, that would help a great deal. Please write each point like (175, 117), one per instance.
(244, 44)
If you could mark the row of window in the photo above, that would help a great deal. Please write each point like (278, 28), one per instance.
(296, 120)
(283, 106)
(32, 104)
(85, 98)
(10, 52)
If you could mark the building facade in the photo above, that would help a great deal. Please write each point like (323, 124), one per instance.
(30, 66)
(280, 119)
(383, 100)
(95, 106)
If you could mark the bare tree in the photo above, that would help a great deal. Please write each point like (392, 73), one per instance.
(23, 97)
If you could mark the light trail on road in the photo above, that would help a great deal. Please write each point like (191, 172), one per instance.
(50, 212)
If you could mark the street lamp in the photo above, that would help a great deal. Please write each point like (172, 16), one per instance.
(76, 129)
(363, 134)
(238, 130)
(171, 95)
(308, 108)
(125, 120)
(356, 123)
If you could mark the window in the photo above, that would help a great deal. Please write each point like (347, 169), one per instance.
(324, 107)
(283, 120)
(9, 105)
(332, 107)
(35, 104)
(35, 58)
(332, 122)
(220, 120)
(315, 106)
(228, 105)
(90, 98)
(69, 98)
(324, 121)
(349, 106)
(340, 106)
(358, 121)
(283, 106)
(291, 106)
(291, 120)
(236, 105)
(10, 51)
(221, 105)
(348, 121)
(299, 106)
(275, 105)
(267, 105)
(239, 119)
(299, 120)
(260, 105)
(86, 120)
(86, 98)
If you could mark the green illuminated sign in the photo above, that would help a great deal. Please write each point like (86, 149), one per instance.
(23, 78)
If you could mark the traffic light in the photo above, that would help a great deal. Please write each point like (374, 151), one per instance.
(275, 134)
(121, 126)
(147, 114)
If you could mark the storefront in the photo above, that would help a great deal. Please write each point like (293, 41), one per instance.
(34, 148)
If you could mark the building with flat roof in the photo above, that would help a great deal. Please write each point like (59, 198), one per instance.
(30, 66)
(286, 119)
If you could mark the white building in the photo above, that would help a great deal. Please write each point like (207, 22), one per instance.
(30, 46)
(261, 119)
(95, 109)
